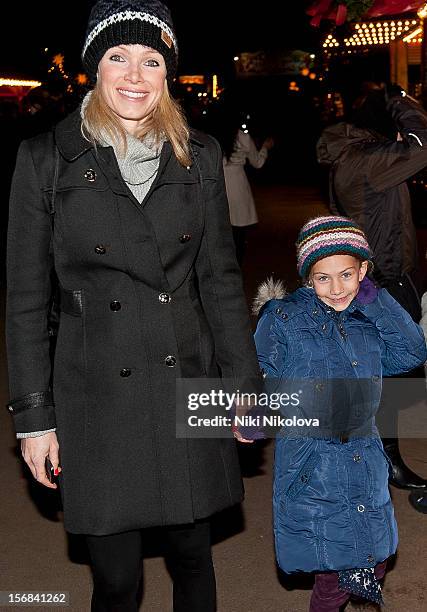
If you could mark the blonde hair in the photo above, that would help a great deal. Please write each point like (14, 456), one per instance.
(166, 121)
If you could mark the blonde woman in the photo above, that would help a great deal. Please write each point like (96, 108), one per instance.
(150, 291)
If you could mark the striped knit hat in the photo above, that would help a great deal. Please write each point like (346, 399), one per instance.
(325, 236)
(127, 22)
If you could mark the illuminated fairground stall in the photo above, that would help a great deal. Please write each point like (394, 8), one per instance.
(398, 40)
(378, 40)
(373, 40)
(15, 90)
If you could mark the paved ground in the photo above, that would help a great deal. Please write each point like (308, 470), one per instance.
(36, 554)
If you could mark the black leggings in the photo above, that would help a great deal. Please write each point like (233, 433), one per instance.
(116, 565)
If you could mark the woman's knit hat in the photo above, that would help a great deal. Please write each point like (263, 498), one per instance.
(127, 22)
(325, 236)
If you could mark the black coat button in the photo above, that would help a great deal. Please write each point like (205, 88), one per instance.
(170, 361)
(115, 305)
(185, 238)
(125, 372)
(100, 249)
(90, 175)
(164, 298)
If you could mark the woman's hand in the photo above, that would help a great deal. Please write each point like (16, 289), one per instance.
(35, 451)
(239, 437)
(268, 143)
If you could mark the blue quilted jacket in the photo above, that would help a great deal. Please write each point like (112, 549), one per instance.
(331, 502)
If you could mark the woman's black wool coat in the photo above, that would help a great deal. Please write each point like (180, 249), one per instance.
(149, 293)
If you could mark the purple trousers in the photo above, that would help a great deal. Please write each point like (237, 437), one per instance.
(327, 597)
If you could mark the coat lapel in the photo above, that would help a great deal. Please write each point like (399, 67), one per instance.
(71, 144)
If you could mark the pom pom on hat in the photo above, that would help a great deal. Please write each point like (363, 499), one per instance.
(325, 236)
(127, 22)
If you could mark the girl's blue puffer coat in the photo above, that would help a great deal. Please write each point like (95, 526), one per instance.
(332, 507)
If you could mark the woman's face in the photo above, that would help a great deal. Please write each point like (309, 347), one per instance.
(336, 279)
(131, 79)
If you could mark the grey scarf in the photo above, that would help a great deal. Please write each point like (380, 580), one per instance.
(139, 165)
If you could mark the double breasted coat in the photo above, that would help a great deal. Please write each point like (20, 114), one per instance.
(149, 293)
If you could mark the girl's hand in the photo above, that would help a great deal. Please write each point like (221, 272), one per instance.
(367, 291)
(35, 451)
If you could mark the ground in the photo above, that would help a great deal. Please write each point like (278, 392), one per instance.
(36, 554)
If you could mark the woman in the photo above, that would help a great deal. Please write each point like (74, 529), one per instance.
(241, 201)
(239, 149)
(149, 292)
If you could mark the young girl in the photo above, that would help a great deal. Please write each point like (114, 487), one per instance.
(332, 509)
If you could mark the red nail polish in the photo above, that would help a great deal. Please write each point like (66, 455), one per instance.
(56, 471)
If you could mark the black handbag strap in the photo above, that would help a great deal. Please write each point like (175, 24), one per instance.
(53, 313)
(195, 155)
(54, 185)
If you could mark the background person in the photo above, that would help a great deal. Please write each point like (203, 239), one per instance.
(150, 292)
(239, 149)
(370, 158)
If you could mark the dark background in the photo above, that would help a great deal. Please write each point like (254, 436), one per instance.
(209, 33)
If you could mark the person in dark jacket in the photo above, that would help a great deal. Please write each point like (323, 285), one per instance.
(150, 292)
(370, 159)
(332, 340)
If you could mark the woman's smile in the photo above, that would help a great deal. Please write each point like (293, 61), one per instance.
(131, 94)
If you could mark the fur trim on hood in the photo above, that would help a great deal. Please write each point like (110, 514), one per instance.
(268, 290)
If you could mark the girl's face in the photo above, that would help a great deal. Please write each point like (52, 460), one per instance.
(336, 279)
(131, 79)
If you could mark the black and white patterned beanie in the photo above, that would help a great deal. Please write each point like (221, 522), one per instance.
(127, 22)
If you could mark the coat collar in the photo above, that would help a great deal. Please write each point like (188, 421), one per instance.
(69, 138)
(71, 143)
(304, 300)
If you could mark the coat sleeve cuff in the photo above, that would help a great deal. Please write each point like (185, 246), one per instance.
(33, 412)
(34, 434)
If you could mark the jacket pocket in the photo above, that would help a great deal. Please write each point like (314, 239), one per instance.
(70, 352)
(379, 469)
(302, 477)
(71, 301)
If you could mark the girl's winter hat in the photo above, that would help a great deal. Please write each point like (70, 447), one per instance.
(325, 236)
(127, 22)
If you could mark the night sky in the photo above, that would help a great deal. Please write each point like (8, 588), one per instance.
(209, 33)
